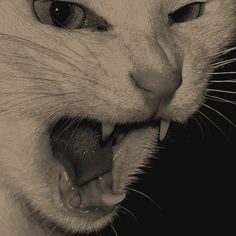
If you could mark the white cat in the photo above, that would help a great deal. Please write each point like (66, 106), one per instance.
(82, 85)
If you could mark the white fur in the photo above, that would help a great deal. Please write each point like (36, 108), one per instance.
(46, 73)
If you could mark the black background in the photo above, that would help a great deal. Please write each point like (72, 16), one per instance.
(192, 179)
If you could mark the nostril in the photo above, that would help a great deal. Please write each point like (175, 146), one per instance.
(157, 84)
(137, 84)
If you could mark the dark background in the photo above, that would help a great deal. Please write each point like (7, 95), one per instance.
(192, 181)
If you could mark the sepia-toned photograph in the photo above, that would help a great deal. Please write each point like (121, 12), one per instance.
(117, 117)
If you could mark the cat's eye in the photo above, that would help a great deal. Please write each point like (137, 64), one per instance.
(187, 13)
(67, 15)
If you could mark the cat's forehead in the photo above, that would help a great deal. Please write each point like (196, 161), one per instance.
(132, 2)
(129, 5)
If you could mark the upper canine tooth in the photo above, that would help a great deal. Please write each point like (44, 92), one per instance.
(164, 126)
(107, 129)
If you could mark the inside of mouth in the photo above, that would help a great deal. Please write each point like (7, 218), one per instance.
(86, 158)
(86, 181)
(77, 144)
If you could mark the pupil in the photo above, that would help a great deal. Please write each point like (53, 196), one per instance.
(60, 12)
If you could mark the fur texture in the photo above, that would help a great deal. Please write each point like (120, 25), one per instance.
(46, 72)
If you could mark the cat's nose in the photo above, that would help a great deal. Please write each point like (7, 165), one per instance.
(156, 86)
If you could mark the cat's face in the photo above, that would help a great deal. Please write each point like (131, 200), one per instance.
(114, 62)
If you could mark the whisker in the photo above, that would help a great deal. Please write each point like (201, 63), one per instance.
(223, 63)
(129, 213)
(223, 81)
(24, 57)
(218, 99)
(221, 91)
(68, 142)
(145, 196)
(51, 69)
(212, 122)
(58, 56)
(199, 124)
(92, 53)
(114, 230)
(40, 80)
(22, 100)
(223, 73)
(225, 51)
(219, 113)
(66, 46)
(202, 120)
(69, 125)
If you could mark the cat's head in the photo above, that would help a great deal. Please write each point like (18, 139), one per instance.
(71, 72)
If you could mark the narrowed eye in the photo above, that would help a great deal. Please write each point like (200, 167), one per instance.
(67, 15)
(187, 13)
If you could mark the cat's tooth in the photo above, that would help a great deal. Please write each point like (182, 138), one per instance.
(120, 138)
(164, 126)
(110, 199)
(107, 129)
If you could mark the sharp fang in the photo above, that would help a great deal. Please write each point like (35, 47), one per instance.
(110, 199)
(164, 126)
(107, 129)
(120, 138)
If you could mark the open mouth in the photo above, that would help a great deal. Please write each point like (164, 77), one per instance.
(84, 148)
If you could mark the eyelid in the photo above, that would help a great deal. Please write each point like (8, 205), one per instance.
(185, 3)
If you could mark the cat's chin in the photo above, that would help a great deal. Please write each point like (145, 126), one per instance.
(82, 210)
(89, 201)
(84, 219)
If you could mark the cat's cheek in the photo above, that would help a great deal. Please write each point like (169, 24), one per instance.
(133, 154)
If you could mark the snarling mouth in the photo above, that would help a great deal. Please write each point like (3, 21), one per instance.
(84, 148)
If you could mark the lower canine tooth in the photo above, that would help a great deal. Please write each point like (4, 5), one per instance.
(164, 126)
(110, 199)
(120, 138)
(107, 129)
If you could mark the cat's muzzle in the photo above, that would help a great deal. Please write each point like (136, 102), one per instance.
(84, 151)
(84, 148)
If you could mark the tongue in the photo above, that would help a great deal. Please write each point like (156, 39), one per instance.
(78, 147)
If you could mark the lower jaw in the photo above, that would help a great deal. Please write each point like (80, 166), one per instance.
(91, 212)
(90, 215)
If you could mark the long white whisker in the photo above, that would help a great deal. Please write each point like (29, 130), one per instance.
(199, 124)
(66, 46)
(212, 122)
(114, 230)
(223, 81)
(130, 213)
(218, 99)
(144, 195)
(223, 73)
(225, 51)
(219, 113)
(221, 91)
(42, 49)
(202, 120)
(222, 63)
